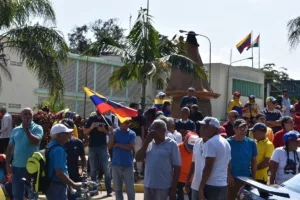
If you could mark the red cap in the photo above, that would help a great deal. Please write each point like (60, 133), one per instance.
(238, 94)
(222, 131)
(191, 138)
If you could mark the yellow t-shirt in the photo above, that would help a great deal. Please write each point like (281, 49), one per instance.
(265, 149)
(269, 134)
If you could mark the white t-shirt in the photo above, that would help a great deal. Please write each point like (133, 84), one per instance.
(199, 160)
(280, 156)
(217, 147)
(178, 137)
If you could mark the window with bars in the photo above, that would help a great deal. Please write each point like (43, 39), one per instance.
(247, 88)
(15, 63)
(13, 105)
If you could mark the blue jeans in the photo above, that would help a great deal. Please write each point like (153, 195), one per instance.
(98, 158)
(56, 192)
(18, 186)
(125, 174)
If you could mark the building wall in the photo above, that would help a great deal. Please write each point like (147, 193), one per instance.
(19, 92)
(223, 84)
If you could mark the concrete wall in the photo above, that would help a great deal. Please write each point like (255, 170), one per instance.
(19, 92)
(222, 83)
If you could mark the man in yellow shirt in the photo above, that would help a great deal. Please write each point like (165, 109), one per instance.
(265, 150)
(261, 118)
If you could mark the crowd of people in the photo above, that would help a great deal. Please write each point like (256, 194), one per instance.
(194, 154)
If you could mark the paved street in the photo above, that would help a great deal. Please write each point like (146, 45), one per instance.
(138, 196)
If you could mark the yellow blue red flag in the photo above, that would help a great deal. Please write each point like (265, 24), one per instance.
(103, 105)
(244, 43)
(158, 103)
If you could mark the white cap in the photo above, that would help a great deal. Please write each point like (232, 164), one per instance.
(60, 128)
(211, 121)
(161, 94)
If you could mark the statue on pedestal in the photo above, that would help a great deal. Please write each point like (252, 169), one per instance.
(180, 82)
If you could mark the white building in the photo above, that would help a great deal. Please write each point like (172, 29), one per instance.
(20, 91)
(227, 79)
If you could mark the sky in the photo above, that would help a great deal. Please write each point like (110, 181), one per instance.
(225, 22)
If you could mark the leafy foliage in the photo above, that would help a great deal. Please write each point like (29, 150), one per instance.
(294, 32)
(41, 47)
(104, 33)
(78, 40)
(52, 106)
(273, 75)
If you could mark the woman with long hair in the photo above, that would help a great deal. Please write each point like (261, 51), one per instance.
(285, 162)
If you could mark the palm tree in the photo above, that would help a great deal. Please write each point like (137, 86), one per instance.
(294, 32)
(146, 55)
(42, 48)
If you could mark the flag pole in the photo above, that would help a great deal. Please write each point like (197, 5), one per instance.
(259, 52)
(252, 49)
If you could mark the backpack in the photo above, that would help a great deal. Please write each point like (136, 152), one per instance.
(37, 170)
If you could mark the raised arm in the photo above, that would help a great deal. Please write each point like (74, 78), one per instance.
(141, 153)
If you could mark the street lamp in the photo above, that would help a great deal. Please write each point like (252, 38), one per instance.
(196, 34)
(249, 58)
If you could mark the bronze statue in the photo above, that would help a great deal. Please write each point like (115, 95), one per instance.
(179, 82)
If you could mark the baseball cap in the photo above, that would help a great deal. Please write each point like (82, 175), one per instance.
(259, 126)
(271, 99)
(222, 131)
(292, 135)
(191, 139)
(60, 128)
(292, 108)
(239, 123)
(237, 94)
(211, 121)
(251, 97)
(161, 94)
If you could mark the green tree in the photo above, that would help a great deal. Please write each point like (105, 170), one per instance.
(41, 47)
(78, 40)
(294, 32)
(146, 55)
(104, 32)
(275, 76)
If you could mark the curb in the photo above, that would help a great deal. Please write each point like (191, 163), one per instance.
(139, 188)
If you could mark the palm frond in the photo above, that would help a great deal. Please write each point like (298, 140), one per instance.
(294, 32)
(122, 76)
(185, 64)
(5, 70)
(43, 49)
(6, 13)
(24, 9)
(104, 45)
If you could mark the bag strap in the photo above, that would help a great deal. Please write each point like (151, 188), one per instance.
(47, 155)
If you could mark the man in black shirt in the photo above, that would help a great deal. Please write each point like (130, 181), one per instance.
(138, 126)
(97, 129)
(195, 115)
(184, 124)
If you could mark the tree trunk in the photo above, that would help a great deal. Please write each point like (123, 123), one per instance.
(143, 97)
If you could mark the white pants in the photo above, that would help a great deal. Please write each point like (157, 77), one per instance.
(138, 144)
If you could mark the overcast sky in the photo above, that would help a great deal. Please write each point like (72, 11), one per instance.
(225, 22)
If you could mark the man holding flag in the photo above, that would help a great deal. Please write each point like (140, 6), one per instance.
(97, 127)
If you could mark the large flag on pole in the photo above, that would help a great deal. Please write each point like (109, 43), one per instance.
(244, 43)
(255, 43)
(103, 105)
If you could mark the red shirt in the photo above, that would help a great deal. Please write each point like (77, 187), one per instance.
(278, 138)
(297, 123)
(229, 128)
(297, 107)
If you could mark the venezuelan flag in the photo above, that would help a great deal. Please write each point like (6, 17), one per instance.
(103, 105)
(158, 103)
(246, 42)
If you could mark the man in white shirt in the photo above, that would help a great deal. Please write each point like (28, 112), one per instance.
(217, 155)
(6, 128)
(171, 129)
